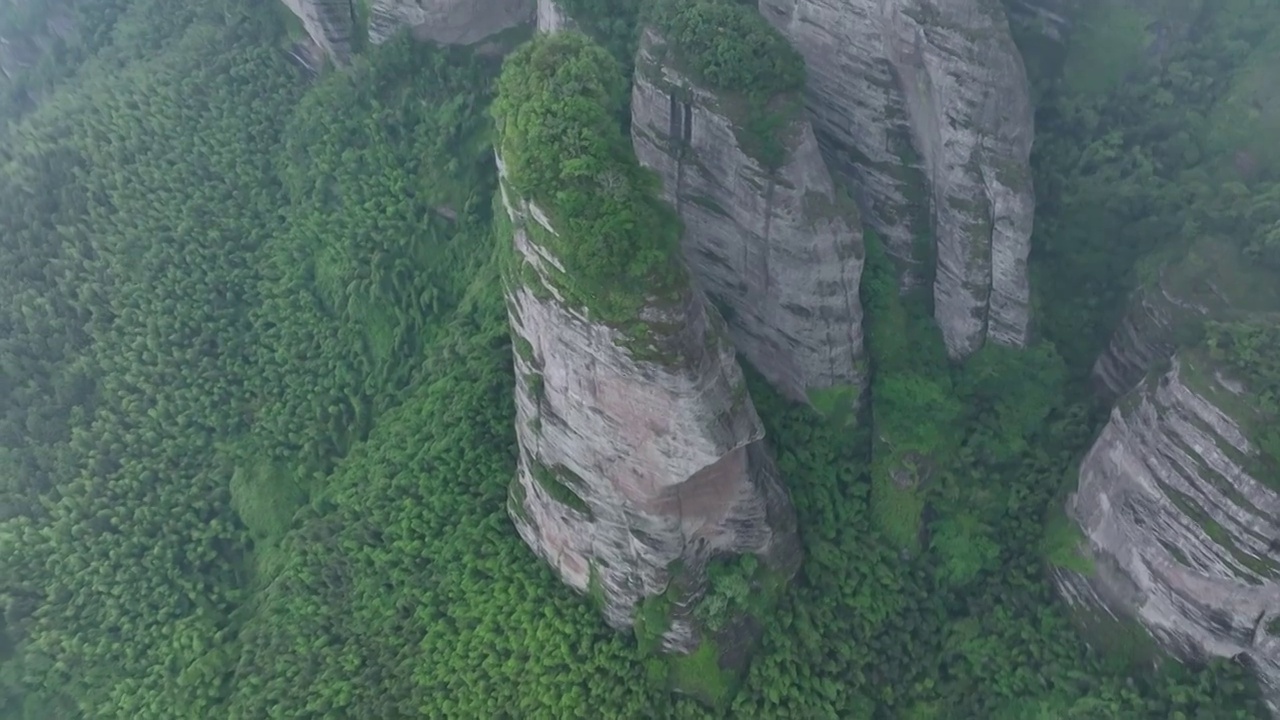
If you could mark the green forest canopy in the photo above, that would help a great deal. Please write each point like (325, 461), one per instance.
(256, 424)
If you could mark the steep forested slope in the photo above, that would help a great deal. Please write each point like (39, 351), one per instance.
(257, 432)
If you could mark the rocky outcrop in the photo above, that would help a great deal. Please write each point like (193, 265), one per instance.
(924, 107)
(329, 23)
(1182, 516)
(635, 472)
(334, 24)
(452, 22)
(31, 31)
(552, 17)
(779, 250)
(1144, 339)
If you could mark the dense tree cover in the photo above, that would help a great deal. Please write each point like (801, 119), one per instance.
(1173, 162)
(729, 46)
(257, 428)
(564, 150)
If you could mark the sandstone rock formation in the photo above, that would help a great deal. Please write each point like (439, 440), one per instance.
(334, 24)
(642, 461)
(1182, 517)
(1143, 340)
(452, 22)
(779, 249)
(630, 468)
(924, 106)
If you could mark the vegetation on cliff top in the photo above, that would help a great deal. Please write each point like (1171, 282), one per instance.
(728, 46)
(730, 49)
(557, 132)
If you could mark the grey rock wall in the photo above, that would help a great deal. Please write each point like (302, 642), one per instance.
(451, 22)
(552, 18)
(780, 250)
(1183, 521)
(665, 458)
(331, 24)
(1144, 339)
(924, 107)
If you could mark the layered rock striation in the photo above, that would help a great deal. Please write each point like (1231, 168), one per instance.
(924, 107)
(641, 457)
(1144, 339)
(779, 249)
(1046, 19)
(1182, 516)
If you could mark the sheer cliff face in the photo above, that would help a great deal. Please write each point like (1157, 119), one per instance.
(329, 23)
(779, 250)
(924, 106)
(635, 472)
(1143, 340)
(1182, 527)
(551, 17)
(454, 22)
(332, 23)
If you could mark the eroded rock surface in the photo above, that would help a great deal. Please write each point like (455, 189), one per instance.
(1183, 521)
(552, 17)
(332, 24)
(924, 106)
(779, 249)
(634, 472)
(1143, 340)
(452, 22)
(329, 23)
